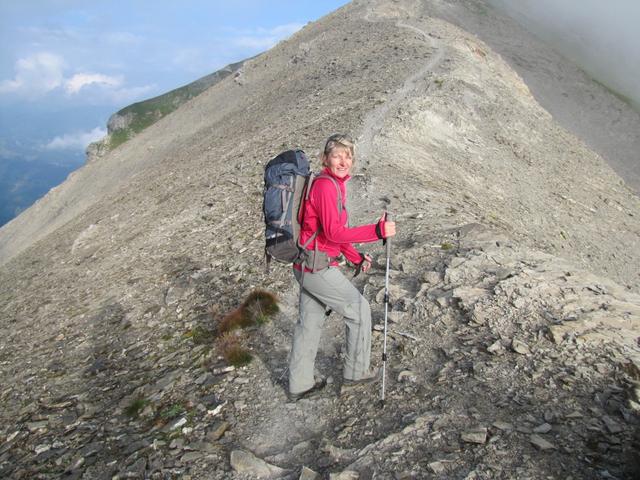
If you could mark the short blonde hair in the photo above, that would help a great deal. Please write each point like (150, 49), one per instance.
(339, 140)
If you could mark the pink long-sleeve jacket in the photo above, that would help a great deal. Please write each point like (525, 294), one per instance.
(335, 237)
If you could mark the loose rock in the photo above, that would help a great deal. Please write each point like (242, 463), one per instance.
(520, 347)
(541, 443)
(308, 474)
(478, 435)
(246, 462)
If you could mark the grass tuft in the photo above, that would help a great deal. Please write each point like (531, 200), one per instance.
(235, 320)
(172, 411)
(233, 351)
(446, 246)
(199, 335)
(257, 309)
(134, 408)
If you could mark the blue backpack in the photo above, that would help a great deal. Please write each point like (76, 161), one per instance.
(287, 183)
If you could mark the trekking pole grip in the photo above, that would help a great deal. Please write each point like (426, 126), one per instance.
(387, 218)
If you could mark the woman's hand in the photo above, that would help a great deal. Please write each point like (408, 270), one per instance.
(388, 228)
(366, 263)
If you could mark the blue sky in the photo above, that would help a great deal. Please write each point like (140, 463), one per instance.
(61, 59)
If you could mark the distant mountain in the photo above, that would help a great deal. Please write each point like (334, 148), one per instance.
(23, 182)
(28, 167)
(28, 172)
(131, 120)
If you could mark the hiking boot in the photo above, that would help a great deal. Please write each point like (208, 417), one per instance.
(319, 385)
(373, 375)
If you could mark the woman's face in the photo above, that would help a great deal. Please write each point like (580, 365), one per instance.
(339, 161)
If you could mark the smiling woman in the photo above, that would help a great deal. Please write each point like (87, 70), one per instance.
(327, 235)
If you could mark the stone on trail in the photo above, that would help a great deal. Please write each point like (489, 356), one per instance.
(503, 425)
(346, 475)
(407, 376)
(191, 457)
(395, 294)
(437, 467)
(612, 425)
(496, 348)
(541, 443)
(217, 431)
(520, 347)
(247, 462)
(308, 474)
(478, 435)
(544, 428)
(432, 277)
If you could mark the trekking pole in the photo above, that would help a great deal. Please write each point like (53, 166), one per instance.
(387, 218)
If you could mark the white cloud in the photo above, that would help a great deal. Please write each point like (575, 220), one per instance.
(81, 80)
(263, 39)
(76, 140)
(35, 75)
(43, 73)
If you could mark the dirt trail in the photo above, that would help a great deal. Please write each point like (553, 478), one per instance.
(374, 121)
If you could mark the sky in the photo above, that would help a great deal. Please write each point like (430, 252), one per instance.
(66, 65)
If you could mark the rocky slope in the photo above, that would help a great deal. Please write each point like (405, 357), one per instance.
(513, 345)
(586, 108)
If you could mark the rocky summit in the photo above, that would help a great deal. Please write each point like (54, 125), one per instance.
(514, 280)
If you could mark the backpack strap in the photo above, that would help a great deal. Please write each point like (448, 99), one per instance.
(307, 193)
(286, 199)
(335, 183)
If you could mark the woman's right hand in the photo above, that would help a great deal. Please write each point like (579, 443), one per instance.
(388, 228)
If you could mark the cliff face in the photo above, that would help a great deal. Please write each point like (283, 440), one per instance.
(518, 251)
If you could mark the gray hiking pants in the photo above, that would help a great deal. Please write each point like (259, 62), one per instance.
(329, 288)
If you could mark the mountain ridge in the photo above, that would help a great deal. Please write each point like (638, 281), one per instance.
(132, 119)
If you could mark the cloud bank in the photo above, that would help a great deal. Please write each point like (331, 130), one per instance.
(603, 38)
(35, 75)
(43, 73)
(76, 140)
(81, 80)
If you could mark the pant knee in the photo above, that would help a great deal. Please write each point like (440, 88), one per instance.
(360, 311)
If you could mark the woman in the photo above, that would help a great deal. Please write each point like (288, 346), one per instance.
(328, 288)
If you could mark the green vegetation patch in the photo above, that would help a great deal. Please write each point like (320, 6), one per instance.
(172, 411)
(199, 335)
(446, 246)
(134, 409)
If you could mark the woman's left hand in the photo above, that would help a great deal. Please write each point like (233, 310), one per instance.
(366, 262)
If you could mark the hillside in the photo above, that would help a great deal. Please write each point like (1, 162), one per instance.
(131, 120)
(515, 291)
